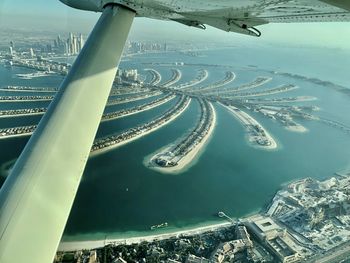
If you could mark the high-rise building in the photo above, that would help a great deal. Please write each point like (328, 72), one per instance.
(72, 46)
(11, 50)
(31, 52)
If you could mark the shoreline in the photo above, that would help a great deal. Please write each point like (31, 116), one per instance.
(2, 137)
(117, 102)
(196, 81)
(265, 92)
(251, 141)
(26, 100)
(109, 148)
(149, 107)
(173, 80)
(15, 135)
(157, 75)
(21, 115)
(218, 84)
(190, 159)
(91, 244)
(28, 90)
(286, 100)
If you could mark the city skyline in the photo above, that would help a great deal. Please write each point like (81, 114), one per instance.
(21, 14)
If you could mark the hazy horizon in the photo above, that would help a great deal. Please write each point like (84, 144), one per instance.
(54, 16)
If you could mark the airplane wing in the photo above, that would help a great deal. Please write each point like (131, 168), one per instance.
(37, 196)
(240, 16)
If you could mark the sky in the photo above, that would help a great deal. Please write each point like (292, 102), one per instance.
(53, 15)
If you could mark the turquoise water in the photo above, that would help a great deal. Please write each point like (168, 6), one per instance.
(119, 196)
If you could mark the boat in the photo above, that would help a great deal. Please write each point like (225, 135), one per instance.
(159, 226)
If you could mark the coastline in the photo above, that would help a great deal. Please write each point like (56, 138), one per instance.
(273, 144)
(21, 115)
(190, 159)
(15, 135)
(189, 84)
(109, 148)
(149, 107)
(91, 244)
(132, 99)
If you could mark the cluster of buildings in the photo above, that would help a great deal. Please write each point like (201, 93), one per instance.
(155, 77)
(173, 155)
(114, 140)
(17, 131)
(256, 83)
(202, 75)
(142, 47)
(127, 75)
(319, 212)
(25, 98)
(119, 100)
(25, 88)
(230, 76)
(41, 64)
(306, 221)
(19, 112)
(71, 46)
(135, 109)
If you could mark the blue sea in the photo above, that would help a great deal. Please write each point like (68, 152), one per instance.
(119, 196)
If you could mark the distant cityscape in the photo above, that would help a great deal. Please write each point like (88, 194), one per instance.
(72, 45)
(306, 221)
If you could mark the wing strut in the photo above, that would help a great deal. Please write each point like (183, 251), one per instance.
(37, 197)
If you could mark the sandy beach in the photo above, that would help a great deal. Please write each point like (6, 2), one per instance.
(21, 115)
(28, 90)
(27, 100)
(283, 100)
(111, 102)
(111, 147)
(218, 85)
(189, 159)
(91, 244)
(158, 77)
(195, 82)
(15, 135)
(243, 117)
(139, 111)
(173, 80)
